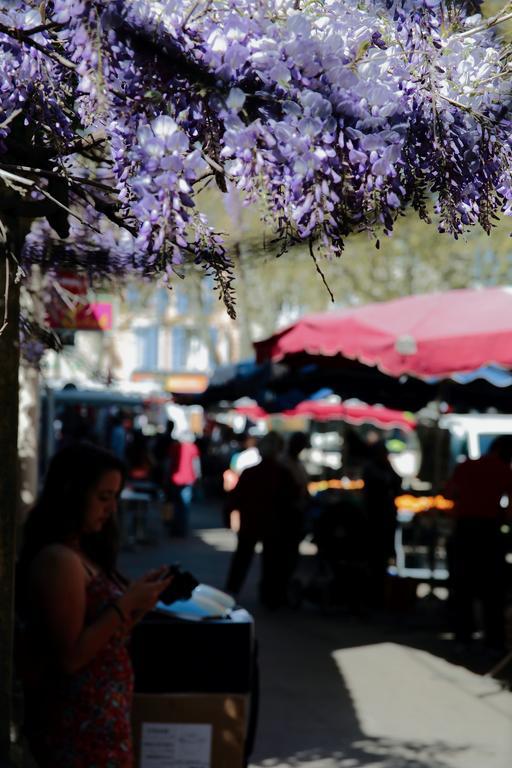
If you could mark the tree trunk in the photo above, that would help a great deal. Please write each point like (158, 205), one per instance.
(28, 437)
(9, 358)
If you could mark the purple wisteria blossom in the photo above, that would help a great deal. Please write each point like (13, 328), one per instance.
(335, 116)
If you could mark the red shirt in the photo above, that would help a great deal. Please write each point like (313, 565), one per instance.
(183, 456)
(477, 486)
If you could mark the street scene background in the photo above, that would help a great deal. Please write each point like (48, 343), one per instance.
(256, 302)
(340, 693)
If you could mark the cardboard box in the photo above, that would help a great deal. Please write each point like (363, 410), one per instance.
(189, 730)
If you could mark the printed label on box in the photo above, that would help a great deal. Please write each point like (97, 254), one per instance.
(175, 745)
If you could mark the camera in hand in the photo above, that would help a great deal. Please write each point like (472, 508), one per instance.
(181, 587)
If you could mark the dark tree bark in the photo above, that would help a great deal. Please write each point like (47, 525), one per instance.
(10, 241)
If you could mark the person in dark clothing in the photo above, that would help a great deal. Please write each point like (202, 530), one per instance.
(262, 496)
(160, 451)
(117, 437)
(381, 486)
(298, 506)
(476, 548)
(138, 459)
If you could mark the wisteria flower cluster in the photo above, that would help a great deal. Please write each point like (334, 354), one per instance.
(334, 115)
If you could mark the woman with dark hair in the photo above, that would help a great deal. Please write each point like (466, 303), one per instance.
(77, 613)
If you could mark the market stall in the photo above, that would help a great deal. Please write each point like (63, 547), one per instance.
(454, 345)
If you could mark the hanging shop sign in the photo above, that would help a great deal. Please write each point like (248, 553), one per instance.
(186, 383)
(69, 309)
(96, 316)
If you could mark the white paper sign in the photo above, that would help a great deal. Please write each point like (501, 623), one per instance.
(175, 745)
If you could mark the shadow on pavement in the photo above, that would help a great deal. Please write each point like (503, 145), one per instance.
(338, 695)
(377, 753)
(337, 692)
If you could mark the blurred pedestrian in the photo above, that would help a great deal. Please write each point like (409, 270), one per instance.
(160, 452)
(184, 471)
(262, 497)
(298, 506)
(381, 486)
(117, 438)
(139, 460)
(77, 423)
(477, 549)
(77, 612)
(248, 456)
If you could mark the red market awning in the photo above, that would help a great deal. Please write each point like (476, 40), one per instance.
(386, 418)
(427, 335)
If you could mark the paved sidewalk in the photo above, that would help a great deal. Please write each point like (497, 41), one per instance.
(340, 693)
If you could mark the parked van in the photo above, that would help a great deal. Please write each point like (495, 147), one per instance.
(421, 537)
(472, 434)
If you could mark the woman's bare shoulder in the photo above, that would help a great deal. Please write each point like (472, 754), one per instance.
(57, 558)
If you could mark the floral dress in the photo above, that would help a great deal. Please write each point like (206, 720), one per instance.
(82, 720)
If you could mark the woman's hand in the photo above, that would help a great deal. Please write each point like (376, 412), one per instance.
(142, 595)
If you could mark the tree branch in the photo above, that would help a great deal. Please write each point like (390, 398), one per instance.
(55, 175)
(68, 210)
(493, 21)
(11, 117)
(22, 36)
(109, 210)
(6, 298)
(319, 270)
(44, 28)
(14, 177)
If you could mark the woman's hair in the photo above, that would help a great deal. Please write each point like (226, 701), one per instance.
(60, 509)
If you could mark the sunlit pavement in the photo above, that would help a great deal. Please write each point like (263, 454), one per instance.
(340, 693)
